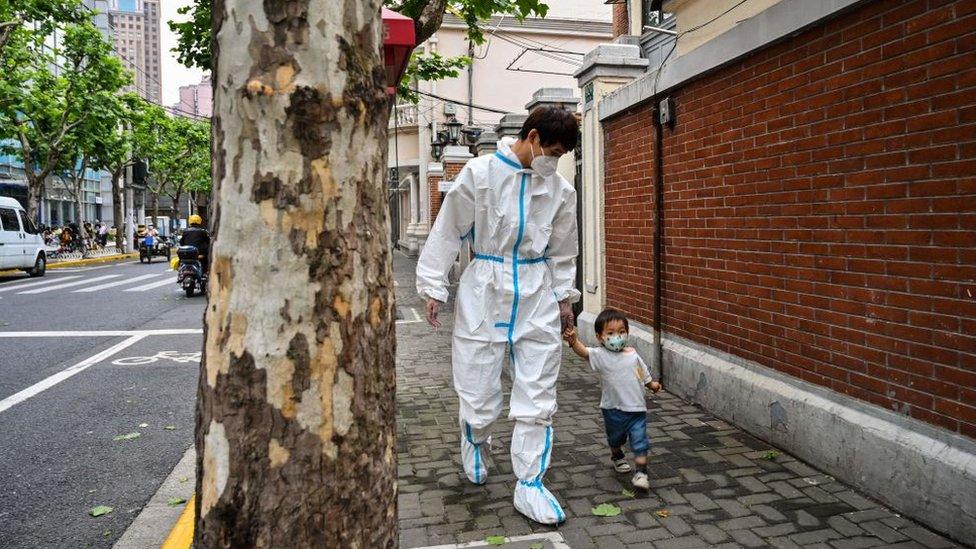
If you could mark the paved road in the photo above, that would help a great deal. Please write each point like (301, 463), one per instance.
(65, 395)
(712, 484)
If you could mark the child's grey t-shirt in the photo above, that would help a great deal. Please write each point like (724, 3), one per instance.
(622, 376)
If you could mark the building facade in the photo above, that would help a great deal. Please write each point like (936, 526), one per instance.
(196, 100)
(782, 200)
(134, 25)
(516, 61)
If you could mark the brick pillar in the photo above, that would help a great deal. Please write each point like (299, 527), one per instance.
(621, 25)
(435, 174)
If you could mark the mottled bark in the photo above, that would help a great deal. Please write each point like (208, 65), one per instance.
(295, 409)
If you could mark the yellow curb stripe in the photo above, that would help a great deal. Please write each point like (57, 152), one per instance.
(181, 536)
(91, 261)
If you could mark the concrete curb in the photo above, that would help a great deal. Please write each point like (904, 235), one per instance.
(159, 525)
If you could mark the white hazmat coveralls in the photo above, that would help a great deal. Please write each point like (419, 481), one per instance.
(523, 230)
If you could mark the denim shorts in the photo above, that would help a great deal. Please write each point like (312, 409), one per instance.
(622, 426)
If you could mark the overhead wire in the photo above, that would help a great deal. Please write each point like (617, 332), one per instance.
(124, 58)
(674, 45)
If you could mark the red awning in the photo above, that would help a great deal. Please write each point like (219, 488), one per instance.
(397, 29)
(398, 42)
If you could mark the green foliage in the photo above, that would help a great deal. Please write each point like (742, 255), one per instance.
(176, 150)
(429, 67)
(194, 41)
(43, 15)
(195, 37)
(606, 510)
(54, 99)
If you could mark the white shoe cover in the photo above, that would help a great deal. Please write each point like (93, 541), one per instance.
(533, 500)
(473, 456)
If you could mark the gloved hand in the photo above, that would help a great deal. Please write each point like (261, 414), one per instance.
(566, 316)
(433, 307)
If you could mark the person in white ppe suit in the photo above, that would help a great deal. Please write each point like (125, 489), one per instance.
(513, 299)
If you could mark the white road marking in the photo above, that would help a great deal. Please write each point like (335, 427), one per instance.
(416, 317)
(68, 284)
(117, 283)
(19, 285)
(153, 285)
(51, 381)
(104, 333)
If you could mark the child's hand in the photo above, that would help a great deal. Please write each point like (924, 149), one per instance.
(569, 334)
(654, 386)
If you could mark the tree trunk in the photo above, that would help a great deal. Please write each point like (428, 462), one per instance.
(155, 204)
(295, 432)
(177, 213)
(117, 210)
(35, 192)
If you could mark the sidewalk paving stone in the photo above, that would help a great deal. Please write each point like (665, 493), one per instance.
(719, 486)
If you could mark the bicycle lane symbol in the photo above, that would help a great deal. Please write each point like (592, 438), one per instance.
(175, 356)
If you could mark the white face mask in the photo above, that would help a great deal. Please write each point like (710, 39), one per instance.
(542, 164)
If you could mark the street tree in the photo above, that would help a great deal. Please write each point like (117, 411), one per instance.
(42, 16)
(170, 145)
(192, 173)
(194, 34)
(89, 139)
(113, 153)
(46, 96)
(295, 433)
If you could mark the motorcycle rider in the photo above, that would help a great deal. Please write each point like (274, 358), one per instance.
(196, 235)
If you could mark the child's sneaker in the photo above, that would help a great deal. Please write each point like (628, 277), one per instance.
(621, 465)
(641, 481)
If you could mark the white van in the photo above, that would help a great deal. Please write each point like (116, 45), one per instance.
(21, 244)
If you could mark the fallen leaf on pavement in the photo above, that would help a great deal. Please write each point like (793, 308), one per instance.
(100, 510)
(770, 455)
(173, 502)
(495, 540)
(183, 479)
(143, 425)
(536, 546)
(606, 510)
(170, 427)
(663, 513)
(629, 494)
(128, 436)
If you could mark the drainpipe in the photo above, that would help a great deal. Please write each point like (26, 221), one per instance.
(658, 241)
(470, 83)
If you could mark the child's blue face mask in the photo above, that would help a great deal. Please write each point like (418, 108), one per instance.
(615, 342)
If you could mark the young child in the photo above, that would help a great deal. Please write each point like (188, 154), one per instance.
(623, 376)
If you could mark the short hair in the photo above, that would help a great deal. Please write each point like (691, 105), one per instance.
(607, 316)
(555, 126)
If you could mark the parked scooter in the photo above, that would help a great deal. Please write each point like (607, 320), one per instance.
(191, 275)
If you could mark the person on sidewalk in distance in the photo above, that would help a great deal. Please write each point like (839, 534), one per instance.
(623, 376)
(520, 216)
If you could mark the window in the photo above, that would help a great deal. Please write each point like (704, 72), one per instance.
(8, 220)
(28, 224)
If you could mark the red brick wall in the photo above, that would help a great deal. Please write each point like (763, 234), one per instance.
(451, 169)
(433, 187)
(628, 208)
(820, 209)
